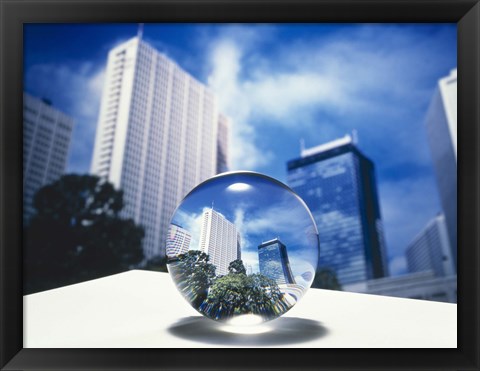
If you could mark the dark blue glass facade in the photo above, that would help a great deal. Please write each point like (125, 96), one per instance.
(274, 263)
(339, 187)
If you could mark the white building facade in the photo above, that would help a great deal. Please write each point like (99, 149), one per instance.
(156, 136)
(47, 134)
(441, 124)
(219, 239)
(430, 250)
(178, 241)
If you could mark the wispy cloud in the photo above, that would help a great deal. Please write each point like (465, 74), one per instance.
(362, 79)
(77, 89)
(286, 220)
(226, 58)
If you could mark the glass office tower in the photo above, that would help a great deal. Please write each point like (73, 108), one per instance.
(274, 263)
(338, 184)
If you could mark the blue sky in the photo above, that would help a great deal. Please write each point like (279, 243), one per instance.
(279, 84)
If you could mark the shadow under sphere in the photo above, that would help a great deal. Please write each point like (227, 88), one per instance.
(283, 331)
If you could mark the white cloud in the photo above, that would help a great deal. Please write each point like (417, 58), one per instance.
(286, 217)
(363, 78)
(224, 80)
(286, 220)
(250, 258)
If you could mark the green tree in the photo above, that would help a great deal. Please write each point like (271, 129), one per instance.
(237, 267)
(194, 274)
(326, 278)
(77, 234)
(238, 293)
(157, 263)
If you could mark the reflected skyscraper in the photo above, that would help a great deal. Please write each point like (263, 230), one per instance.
(338, 184)
(47, 134)
(273, 261)
(156, 136)
(441, 123)
(219, 239)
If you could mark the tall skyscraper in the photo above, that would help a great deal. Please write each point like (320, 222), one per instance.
(441, 123)
(222, 143)
(156, 136)
(273, 261)
(220, 240)
(178, 241)
(430, 250)
(338, 184)
(47, 134)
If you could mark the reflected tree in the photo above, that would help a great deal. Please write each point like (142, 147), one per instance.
(195, 274)
(237, 267)
(238, 293)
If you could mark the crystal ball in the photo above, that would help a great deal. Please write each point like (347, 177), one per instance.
(242, 247)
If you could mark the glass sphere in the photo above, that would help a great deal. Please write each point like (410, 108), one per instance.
(242, 244)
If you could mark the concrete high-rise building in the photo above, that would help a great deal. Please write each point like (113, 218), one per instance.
(156, 136)
(441, 124)
(47, 133)
(273, 261)
(338, 184)
(220, 240)
(178, 241)
(430, 250)
(222, 144)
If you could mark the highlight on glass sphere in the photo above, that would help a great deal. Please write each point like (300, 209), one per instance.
(242, 244)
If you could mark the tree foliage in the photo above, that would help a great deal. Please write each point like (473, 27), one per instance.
(237, 267)
(157, 264)
(238, 293)
(77, 234)
(195, 274)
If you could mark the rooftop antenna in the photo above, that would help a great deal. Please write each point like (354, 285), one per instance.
(212, 204)
(302, 145)
(355, 136)
(140, 31)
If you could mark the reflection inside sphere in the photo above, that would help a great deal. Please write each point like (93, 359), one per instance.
(242, 247)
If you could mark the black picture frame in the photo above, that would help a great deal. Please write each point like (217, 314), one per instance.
(14, 14)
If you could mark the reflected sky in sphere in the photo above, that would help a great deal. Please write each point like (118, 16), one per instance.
(251, 217)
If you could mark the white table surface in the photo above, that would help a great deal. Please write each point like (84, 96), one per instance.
(142, 309)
